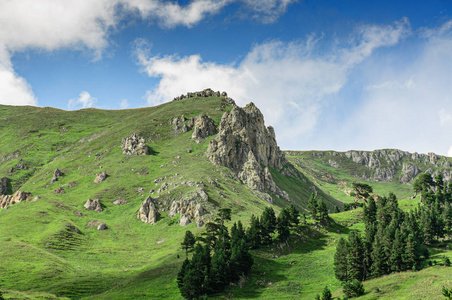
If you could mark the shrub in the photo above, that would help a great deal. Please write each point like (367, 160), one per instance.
(353, 288)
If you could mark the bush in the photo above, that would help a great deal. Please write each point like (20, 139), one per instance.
(353, 288)
(446, 261)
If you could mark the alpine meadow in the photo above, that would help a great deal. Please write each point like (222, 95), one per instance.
(194, 198)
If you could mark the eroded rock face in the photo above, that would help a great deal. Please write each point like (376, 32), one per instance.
(100, 177)
(134, 145)
(179, 126)
(93, 205)
(244, 144)
(409, 171)
(189, 208)
(148, 211)
(4, 185)
(17, 197)
(203, 127)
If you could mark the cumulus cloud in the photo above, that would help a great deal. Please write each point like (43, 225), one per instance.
(290, 82)
(14, 90)
(83, 101)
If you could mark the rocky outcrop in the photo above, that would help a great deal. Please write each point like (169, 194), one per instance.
(134, 145)
(100, 177)
(93, 205)
(17, 197)
(190, 208)
(56, 174)
(409, 172)
(247, 147)
(148, 211)
(4, 185)
(203, 127)
(179, 125)
(204, 94)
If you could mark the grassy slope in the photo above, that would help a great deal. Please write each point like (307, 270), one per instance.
(131, 259)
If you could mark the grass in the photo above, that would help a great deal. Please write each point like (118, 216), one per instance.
(50, 253)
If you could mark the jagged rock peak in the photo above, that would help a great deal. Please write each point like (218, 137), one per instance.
(204, 94)
(244, 144)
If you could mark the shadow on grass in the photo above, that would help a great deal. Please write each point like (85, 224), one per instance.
(152, 151)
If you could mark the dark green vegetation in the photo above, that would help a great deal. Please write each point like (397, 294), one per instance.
(49, 251)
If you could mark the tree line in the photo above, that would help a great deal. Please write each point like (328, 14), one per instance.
(394, 240)
(221, 256)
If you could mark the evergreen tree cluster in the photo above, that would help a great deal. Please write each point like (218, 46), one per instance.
(220, 257)
(394, 240)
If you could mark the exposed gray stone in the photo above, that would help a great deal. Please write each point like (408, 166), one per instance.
(100, 177)
(148, 211)
(93, 204)
(203, 127)
(134, 145)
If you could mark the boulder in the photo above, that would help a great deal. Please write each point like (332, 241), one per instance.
(93, 205)
(95, 224)
(17, 197)
(134, 145)
(56, 174)
(59, 190)
(203, 127)
(148, 211)
(179, 126)
(100, 177)
(120, 202)
(189, 208)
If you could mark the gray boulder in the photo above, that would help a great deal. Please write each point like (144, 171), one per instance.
(148, 211)
(134, 145)
(100, 177)
(94, 205)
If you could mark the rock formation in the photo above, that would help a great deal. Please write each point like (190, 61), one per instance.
(203, 127)
(100, 177)
(134, 145)
(248, 148)
(190, 208)
(203, 94)
(95, 224)
(17, 197)
(148, 211)
(93, 205)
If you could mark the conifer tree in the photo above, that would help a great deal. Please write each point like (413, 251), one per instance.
(253, 234)
(323, 216)
(411, 255)
(181, 274)
(398, 249)
(326, 294)
(189, 241)
(312, 206)
(447, 217)
(355, 256)
(241, 260)
(294, 215)
(268, 225)
(341, 265)
(283, 225)
(379, 266)
(219, 271)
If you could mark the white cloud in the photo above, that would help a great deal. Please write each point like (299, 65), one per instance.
(14, 90)
(54, 24)
(449, 152)
(267, 11)
(83, 101)
(124, 104)
(289, 81)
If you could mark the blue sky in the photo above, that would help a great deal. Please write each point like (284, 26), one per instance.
(326, 74)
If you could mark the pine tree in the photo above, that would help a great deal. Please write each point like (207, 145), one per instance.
(196, 279)
(398, 249)
(283, 225)
(253, 234)
(323, 216)
(341, 266)
(189, 241)
(294, 215)
(219, 271)
(355, 256)
(241, 260)
(182, 272)
(447, 217)
(379, 266)
(326, 294)
(312, 206)
(370, 211)
(268, 225)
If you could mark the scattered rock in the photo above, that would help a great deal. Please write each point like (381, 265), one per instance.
(59, 190)
(56, 174)
(17, 197)
(102, 226)
(189, 151)
(148, 211)
(120, 202)
(78, 214)
(93, 205)
(179, 126)
(100, 177)
(184, 221)
(134, 145)
(95, 224)
(189, 208)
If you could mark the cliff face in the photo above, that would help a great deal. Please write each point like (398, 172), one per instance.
(387, 164)
(246, 146)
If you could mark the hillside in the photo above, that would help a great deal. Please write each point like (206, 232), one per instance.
(386, 170)
(54, 157)
(169, 169)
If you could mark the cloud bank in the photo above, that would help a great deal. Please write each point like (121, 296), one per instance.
(86, 25)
